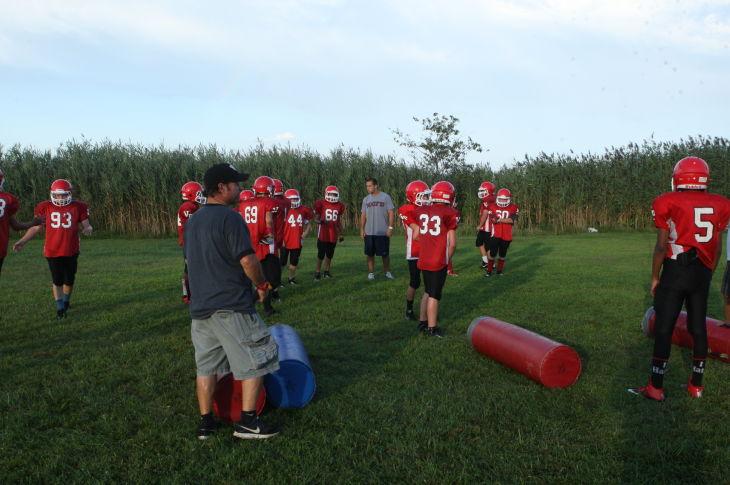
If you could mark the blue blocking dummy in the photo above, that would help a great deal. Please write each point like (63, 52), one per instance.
(293, 385)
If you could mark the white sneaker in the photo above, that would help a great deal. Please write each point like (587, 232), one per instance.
(389, 275)
(371, 276)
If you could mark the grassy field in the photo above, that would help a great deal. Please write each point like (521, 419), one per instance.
(107, 395)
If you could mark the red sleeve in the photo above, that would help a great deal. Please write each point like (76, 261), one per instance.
(14, 206)
(306, 213)
(406, 214)
(41, 209)
(660, 211)
(83, 210)
(317, 207)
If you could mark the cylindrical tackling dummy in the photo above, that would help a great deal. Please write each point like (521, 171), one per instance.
(293, 385)
(550, 363)
(227, 398)
(718, 334)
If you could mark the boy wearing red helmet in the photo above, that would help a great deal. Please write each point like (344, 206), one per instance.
(328, 212)
(417, 194)
(436, 227)
(192, 196)
(63, 215)
(502, 214)
(689, 223)
(484, 228)
(9, 206)
(295, 230)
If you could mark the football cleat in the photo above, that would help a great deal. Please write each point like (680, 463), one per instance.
(488, 274)
(484, 265)
(434, 332)
(327, 274)
(422, 326)
(649, 392)
(293, 281)
(317, 276)
(389, 275)
(411, 316)
(499, 273)
(371, 276)
(694, 391)
(60, 314)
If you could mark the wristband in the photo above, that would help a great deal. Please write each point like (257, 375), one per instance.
(264, 286)
(390, 227)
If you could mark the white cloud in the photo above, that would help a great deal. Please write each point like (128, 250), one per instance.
(276, 138)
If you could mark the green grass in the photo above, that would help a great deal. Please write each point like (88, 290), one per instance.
(107, 396)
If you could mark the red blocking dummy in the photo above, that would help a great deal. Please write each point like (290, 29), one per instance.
(227, 398)
(718, 334)
(550, 363)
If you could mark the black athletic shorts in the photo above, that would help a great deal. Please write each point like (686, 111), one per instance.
(498, 246)
(377, 245)
(291, 255)
(272, 270)
(63, 269)
(415, 274)
(725, 288)
(325, 249)
(434, 282)
(483, 238)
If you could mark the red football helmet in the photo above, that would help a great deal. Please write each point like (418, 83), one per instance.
(504, 196)
(485, 190)
(443, 192)
(293, 196)
(278, 187)
(193, 191)
(417, 192)
(245, 195)
(331, 194)
(691, 173)
(61, 192)
(263, 186)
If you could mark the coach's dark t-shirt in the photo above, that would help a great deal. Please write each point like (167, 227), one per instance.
(216, 238)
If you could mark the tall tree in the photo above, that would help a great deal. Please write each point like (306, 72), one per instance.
(441, 148)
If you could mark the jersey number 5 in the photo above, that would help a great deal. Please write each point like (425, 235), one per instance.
(425, 222)
(706, 225)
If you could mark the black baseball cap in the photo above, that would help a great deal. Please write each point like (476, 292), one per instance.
(221, 174)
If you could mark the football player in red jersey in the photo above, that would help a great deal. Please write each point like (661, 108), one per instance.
(259, 216)
(436, 227)
(192, 196)
(280, 213)
(417, 194)
(329, 212)
(451, 271)
(9, 206)
(296, 229)
(503, 214)
(689, 223)
(484, 229)
(62, 215)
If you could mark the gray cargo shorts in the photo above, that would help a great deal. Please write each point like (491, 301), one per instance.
(229, 341)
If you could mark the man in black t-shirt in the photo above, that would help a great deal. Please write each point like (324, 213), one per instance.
(227, 332)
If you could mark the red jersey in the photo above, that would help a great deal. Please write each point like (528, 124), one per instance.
(295, 221)
(282, 206)
(62, 227)
(407, 215)
(9, 205)
(502, 231)
(434, 223)
(484, 207)
(330, 214)
(254, 212)
(184, 212)
(694, 219)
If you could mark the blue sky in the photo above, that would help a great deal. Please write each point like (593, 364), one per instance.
(522, 76)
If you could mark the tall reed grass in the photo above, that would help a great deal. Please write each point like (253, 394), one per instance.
(134, 189)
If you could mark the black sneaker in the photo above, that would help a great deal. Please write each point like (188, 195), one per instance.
(488, 274)
(66, 305)
(484, 265)
(273, 311)
(293, 281)
(275, 295)
(411, 316)
(317, 277)
(499, 273)
(254, 430)
(206, 428)
(434, 332)
(60, 314)
(327, 274)
(422, 326)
